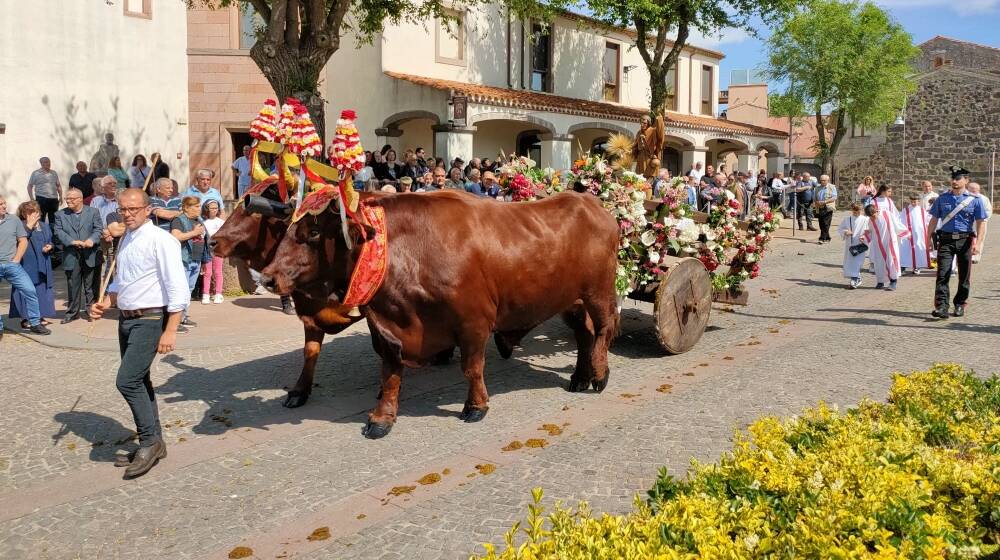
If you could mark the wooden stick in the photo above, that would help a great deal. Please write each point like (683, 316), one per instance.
(152, 169)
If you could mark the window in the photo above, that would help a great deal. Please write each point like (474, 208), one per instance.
(612, 62)
(139, 8)
(541, 59)
(671, 80)
(706, 90)
(250, 22)
(938, 62)
(449, 40)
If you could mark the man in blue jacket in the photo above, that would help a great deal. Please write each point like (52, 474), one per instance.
(79, 228)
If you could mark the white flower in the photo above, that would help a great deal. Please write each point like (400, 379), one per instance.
(669, 221)
(648, 237)
(654, 257)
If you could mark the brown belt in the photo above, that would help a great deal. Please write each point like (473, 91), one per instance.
(136, 313)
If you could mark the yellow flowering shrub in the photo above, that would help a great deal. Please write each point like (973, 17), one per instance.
(917, 477)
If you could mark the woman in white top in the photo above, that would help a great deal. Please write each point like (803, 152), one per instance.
(212, 268)
(852, 229)
(138, 172)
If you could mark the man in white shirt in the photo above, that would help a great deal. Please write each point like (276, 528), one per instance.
(696, 172)
(929, 196)
(151, 290)
(242, 168)
(976, 189)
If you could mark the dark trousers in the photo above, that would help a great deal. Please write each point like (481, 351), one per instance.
(138, 339)
(949, 250)
(804, 209)
(825, 219)
(81, 289)
(49, 207)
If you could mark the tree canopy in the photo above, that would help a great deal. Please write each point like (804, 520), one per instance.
(846, 57)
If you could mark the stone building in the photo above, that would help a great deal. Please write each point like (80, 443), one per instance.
(952, 119)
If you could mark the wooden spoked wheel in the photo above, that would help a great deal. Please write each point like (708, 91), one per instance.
(683, 305)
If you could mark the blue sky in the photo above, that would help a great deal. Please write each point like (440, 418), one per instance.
(977, 21)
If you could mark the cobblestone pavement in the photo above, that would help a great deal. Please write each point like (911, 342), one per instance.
(243, 471)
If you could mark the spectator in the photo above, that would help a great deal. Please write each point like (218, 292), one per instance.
(490, 186)
(412, 168)
(439, 163)
(457, 162)
(866, 190)
(826, 203)
(161, 169)
(121, 176)
(210, 212)
(440, 179)
(709, 194)
(138, 172)
(242, 168)
(661, 182)
(373, 185)
(474, 163)
(203, 189)
(406, 184)
(83, 180)
(45, 189)
(107, 201)
(388, 188)
(389, 170)
(928, 195)
(13, 245)
(691, 185)
(37, 264)
(427, 182)
(165, 206)
(188, 229)
(696, 172)
(709, 171)
(852, 229)
(363, 175)
(474, 185)
(79, 228)
(804, 196)
(422, 157)
(455, 180)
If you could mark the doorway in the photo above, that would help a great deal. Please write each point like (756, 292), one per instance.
(238, 139)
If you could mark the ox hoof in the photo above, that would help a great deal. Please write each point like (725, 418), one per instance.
(600, 384)
(374, 430)
(295, 399)
(577, 385)
(506, 349)
(470, 414)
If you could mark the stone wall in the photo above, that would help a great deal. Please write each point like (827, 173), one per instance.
(959, 54)
(952, 119)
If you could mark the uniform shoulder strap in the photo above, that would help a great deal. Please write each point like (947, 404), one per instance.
(954, 212)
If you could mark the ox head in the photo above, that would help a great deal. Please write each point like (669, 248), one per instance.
(254, 228)
(312, 257)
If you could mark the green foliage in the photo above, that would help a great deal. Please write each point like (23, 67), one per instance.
(785, 105)
(849, 57)
(918, 477)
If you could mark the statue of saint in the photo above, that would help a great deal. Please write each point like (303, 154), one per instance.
(648, 146)
(107, 151)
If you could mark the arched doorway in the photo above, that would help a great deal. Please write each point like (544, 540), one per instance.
(529, 143)
(593, 137)
(409, 130)
(771, 158)
(722, 153)
(509, 133)
(673, 154)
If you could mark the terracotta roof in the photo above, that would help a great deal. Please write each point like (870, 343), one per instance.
(533, 100)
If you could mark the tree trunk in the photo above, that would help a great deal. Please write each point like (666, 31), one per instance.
(657, 90)
(295, 73)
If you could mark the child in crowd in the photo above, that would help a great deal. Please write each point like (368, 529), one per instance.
(913, 251)
(212, 268)
(852, 229)
(883, 238)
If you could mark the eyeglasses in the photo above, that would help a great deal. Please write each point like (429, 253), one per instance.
(131, 210)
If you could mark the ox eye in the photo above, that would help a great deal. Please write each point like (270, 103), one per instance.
(314, 234)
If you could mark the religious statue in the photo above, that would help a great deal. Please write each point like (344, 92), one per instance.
(648, 146)
(108, 150)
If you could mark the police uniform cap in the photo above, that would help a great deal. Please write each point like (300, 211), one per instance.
(958, 172)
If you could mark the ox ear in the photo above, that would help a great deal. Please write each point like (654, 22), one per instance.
(267, 207)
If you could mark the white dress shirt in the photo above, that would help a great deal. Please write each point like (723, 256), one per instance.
(149, 272)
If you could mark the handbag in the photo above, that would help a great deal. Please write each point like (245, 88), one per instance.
(856, 250)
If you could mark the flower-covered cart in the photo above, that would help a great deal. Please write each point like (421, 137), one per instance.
(678, 259)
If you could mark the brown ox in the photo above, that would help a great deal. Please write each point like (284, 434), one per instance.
(254, 238)
(461, 267)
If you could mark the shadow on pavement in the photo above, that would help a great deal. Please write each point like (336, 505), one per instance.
(953, 324)
(258, 302)
(106, 435)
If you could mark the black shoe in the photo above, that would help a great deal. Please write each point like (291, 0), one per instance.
(69, 319)
(941, 312)
(39, 329)
(181, 329)
(187, 322)
(959, 310)
(145, 459)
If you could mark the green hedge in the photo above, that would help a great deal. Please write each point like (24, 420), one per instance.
(918, 477)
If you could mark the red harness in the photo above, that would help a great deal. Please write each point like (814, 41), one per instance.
(373, 261)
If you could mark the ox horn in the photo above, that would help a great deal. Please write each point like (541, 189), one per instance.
(267, 207)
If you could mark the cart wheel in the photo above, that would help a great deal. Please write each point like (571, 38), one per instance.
(683, 304)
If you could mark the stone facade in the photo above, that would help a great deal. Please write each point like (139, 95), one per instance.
(952, 119)
(942, 51)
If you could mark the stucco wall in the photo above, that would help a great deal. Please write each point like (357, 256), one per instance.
(73, 71)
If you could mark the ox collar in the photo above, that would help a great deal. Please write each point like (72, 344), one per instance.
(373, 261)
